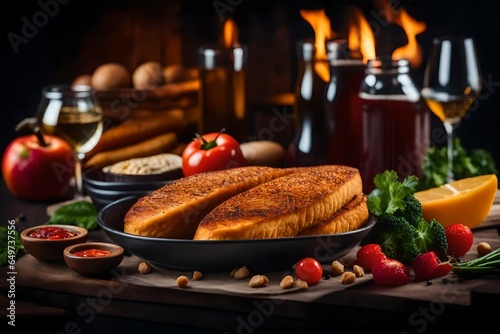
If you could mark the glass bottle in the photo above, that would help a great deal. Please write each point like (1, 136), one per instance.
(396, 121)
(343, 105)
(311, 128)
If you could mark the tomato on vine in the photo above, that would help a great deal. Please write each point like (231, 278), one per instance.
(210, 152)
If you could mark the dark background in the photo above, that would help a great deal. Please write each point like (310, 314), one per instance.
(45, 57)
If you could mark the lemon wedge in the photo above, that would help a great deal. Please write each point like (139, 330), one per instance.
(467, 201)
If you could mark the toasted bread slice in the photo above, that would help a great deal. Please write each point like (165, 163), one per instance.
(174, 210)
(350, 217)
(283, 207)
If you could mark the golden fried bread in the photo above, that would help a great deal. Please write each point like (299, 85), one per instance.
(283, 207)
(174, 210)
(350, 217)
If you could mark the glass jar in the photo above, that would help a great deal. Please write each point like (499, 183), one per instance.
(343, 105)
(395, 120)
(312, 128)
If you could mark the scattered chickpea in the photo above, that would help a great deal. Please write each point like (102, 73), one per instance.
(144, 268)
(347, 278)
(197, 275)
(233, 272)
(241, 273)
(182, 281)
(358, 271)
(286, 282)
(258, 281)
(301, 284)
(337, 268)
(483, 248)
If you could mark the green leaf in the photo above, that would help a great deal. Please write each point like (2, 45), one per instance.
(389, 194)
(13, 243)
(82, 213)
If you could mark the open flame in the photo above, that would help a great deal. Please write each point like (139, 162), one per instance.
(321, 25)
(230, 34)
(361, 37)
(412, 50)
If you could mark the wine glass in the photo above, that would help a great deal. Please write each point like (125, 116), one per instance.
(72, 113)
(451, 84)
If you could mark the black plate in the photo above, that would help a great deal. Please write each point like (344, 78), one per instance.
(218, 256)
(100, 198)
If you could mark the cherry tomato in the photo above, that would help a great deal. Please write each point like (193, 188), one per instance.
(459, 239)
(210, 152)
(309, 270)
(369, 255)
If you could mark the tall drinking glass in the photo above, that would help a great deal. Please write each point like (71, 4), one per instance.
(451, 84)
(73, 114)
(223, 90)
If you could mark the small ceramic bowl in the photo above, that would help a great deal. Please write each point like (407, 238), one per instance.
(95, 178)
(88, 263)
(103, 192)
(49, 249)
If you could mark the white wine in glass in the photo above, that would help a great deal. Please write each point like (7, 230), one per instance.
(73, 114)
(451, 84)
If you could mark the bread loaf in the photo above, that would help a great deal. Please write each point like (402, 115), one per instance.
(283, 207)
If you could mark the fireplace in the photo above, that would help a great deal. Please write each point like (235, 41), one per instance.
(70, 38)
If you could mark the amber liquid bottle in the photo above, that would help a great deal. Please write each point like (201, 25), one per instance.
(312, 127)
(396, 121)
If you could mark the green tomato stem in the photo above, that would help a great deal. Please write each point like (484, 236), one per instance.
(207, 145)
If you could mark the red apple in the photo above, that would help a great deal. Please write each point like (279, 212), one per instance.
(38, 170)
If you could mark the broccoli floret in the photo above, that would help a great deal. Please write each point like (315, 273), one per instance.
(431, 236)
(396, 237)
(412, 211)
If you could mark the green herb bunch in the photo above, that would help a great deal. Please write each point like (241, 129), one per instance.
(465, 164)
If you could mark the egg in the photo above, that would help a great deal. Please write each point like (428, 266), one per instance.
(109, 76)
(148, 75)
(82, 80)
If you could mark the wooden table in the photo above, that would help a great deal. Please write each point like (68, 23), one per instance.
(59, 300)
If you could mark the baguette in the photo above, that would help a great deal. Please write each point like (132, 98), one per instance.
(135, 130)
(162, 143)
(175, 90)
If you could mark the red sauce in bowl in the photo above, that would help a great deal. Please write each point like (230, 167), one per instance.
(93, 252)
(51, 233)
